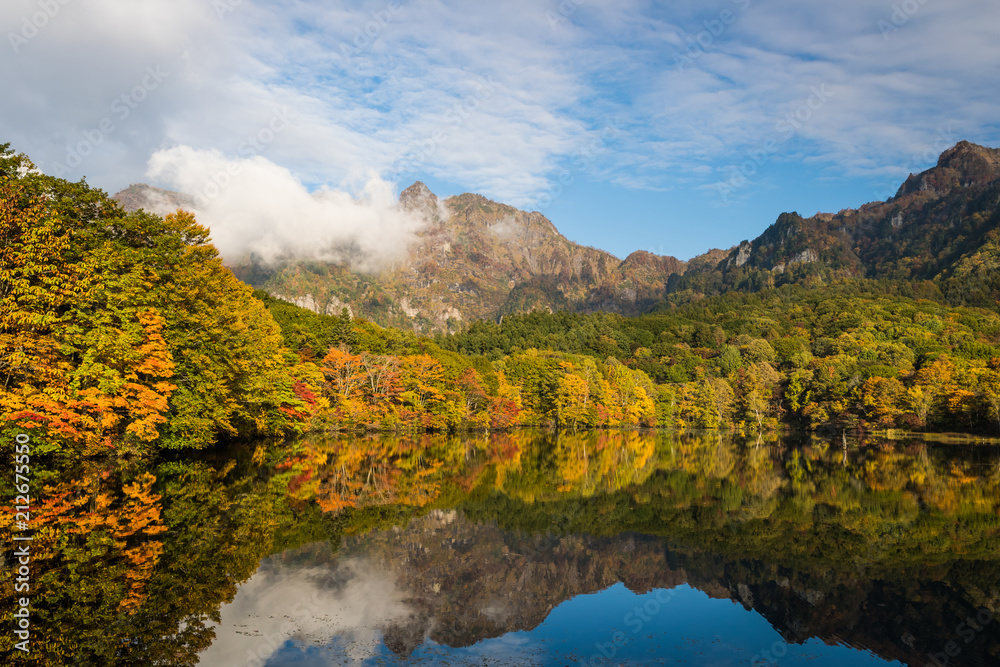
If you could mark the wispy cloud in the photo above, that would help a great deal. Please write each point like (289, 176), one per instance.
(374, 82)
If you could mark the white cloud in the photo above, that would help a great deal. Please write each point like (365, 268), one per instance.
(276, 606)
(255, 207)
(376, 84)
(890, 94)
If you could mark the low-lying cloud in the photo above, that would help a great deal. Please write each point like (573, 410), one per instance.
(259, 210)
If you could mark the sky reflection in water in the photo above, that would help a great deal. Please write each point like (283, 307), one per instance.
(675, 550)
(605, 628)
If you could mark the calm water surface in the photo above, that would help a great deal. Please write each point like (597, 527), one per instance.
(530, 548)
(629, 549)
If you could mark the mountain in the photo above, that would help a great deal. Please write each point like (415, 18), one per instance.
(475, 259)
(941, 226)
(152, 199)
(479, 259)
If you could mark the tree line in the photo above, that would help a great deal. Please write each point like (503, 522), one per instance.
(852, 354)
(121, 333)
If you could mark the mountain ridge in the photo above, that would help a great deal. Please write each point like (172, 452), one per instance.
(941, 221)
(475, 259)
(481, 259)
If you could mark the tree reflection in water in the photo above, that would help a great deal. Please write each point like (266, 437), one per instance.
(370, 545)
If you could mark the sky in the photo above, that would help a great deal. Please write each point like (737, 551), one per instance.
(668, 127)
(341, 613)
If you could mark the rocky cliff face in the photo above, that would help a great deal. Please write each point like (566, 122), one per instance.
(474, 259)
(965, 165)
(939, 224)
(479, 259)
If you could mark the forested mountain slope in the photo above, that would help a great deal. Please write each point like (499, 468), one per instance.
(942, 226)
(474, 259)
(479, 259)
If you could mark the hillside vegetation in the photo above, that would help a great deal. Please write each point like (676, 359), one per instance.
(478, 259)
(123, 332)
(856, 353)
(120, 330)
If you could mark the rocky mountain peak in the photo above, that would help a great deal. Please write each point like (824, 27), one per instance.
(417, 195)
(963, 165)
(155, 200)
(643, 260)
(640, 258)
(419, 199)
(967, 156)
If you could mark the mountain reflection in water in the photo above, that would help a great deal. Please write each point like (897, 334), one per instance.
(628, 548)
(524, 548)
(495, 607)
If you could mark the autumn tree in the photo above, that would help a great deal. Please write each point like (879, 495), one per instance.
(755, 392)
(883, 399)
(123, 330)
(343, 372)
(572, 402)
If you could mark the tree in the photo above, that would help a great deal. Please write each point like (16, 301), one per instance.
(572, 403)
(505, 408)
(931, 385)
(990, 387)
(423, 379)
(883, 399)
(722, 400)
(382, 378)
(755, 391)
(123, 330)
(476, 401)
(342, 371)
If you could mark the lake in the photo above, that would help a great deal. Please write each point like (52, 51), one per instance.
(536, 548)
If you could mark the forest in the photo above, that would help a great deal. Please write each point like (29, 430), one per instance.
(122, 333)
(853, 354)
(133, 359)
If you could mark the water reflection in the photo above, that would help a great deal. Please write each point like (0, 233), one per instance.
(529, 548)
(886, 549)
(352, 600)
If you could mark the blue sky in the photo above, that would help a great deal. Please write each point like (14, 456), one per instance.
(632, 125)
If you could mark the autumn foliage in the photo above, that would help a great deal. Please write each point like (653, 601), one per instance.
(123, 331)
